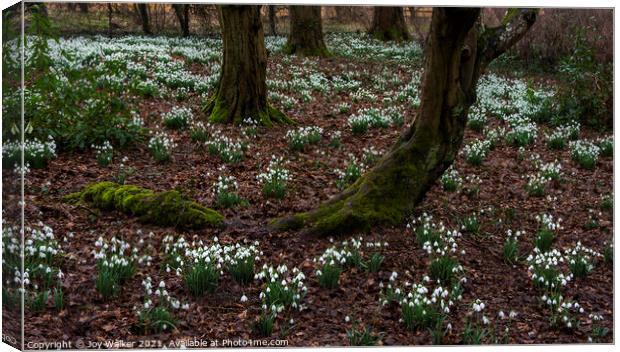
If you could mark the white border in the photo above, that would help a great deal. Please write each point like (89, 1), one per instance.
(488, 3)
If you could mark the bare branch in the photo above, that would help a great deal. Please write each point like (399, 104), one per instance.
(496, 40)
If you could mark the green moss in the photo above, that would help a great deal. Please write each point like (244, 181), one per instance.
(305, 52)
(382, 197)
(390, 34)
(167, 208)
(219, 113)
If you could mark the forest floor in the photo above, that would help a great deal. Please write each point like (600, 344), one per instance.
(498, 197)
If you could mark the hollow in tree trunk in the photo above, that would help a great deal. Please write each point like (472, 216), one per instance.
(144, 18)
(306, 34)
(242, 88)
(388, 23)
(182, 12)
(456, 56)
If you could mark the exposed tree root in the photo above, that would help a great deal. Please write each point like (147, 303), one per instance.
(218, 112)
(386, 195)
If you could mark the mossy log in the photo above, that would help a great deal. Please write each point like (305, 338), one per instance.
(167, 208)
(389, 192)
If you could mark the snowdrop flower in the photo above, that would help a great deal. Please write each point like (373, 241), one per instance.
(393, 276)
(244, 299)
(347, 319)
(512, 314)
(478, 306)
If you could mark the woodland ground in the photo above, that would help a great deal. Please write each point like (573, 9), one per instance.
(194, 171)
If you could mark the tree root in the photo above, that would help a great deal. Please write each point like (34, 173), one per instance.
(217, 112)
(305, 52)
(356, 209)
(385, 195)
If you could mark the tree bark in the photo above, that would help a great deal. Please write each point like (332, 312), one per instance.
(455, 57)
(417, 27)
(182, 12)
(388, 23)
(242, 88)
(344, 13)
(109, 19)
(83, 7)
(306, 34)
(144, 17)
(204, 13)
(272, 19)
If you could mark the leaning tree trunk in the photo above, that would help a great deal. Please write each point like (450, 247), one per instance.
(182, 12)
(144, 18)
(242, 88)
(388, 23)
(306, 33)
(388, 193)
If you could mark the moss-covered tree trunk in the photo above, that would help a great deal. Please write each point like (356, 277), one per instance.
(388, 23)
(306, 34)
(242, 88)
(182, 12)
(144, 18)
(388, 193)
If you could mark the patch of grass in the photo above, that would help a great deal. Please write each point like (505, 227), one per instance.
(544, 240)
(443, 269)
(202, 278)
(362, 336)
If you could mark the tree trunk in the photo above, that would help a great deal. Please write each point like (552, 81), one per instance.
(344, 13)
(272, 19)
(388, 23)
(242, 88)
(144, 16)
(83, 7)
(109, 19)
(455, 57)
(204, 13)
(182, 12)
(306, 34)
(417, 27)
